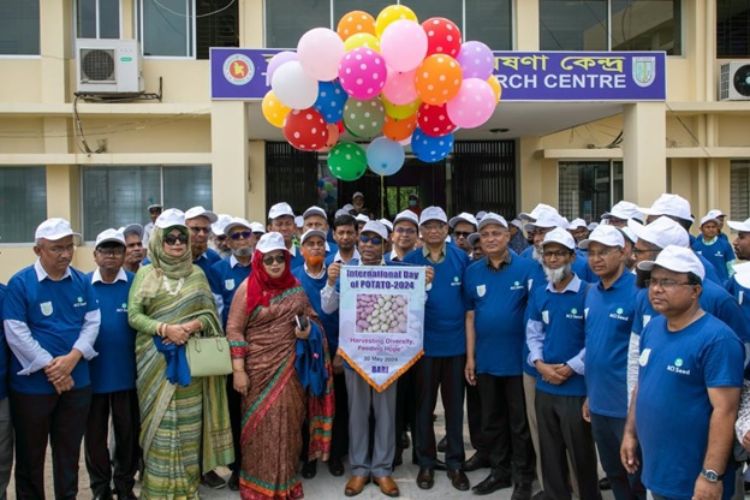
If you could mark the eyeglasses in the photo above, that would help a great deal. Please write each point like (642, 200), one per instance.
(406, 230)
(196, 229)
(433, 227)
(270, 259)
(60, 249)
(601, 253)
(172, 240)
(665, 283)
(375, 240)
(461, 234)
(241, 234)
(638, 251)
(555, 253)
(112, 252)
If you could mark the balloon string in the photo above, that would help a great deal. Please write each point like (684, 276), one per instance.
(382, 196)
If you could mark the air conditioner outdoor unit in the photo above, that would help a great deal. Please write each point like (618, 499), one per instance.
(108, 66)
(734, 82)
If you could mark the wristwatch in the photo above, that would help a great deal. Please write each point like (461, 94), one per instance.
(711, 475)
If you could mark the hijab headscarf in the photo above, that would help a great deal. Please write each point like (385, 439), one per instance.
(166, 265)
(261, 287)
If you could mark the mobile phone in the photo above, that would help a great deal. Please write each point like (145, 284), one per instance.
(301, 322)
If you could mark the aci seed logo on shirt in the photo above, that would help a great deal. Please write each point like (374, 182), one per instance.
(123, 308)
(676, 367)
(516, 286)
(456, 281)
(619, 314)
(573, 314)
(79, 302)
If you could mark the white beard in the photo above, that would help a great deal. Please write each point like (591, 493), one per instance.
(537, 255)
(555, 276)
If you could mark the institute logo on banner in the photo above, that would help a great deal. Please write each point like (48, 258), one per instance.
(238, 69)
(644, 70)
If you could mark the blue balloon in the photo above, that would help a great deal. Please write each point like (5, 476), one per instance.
(331, 100)
(384, 156)
(431, 149)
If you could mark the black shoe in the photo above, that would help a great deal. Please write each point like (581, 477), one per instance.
(425, 478)
(442, 444)
(335, 467)
(459, 480)
(440, 465)
(604, 484)
(539, 495)
(127, 496)
(747, 487)
(522, 491)
(405, 442)
(104, 495)
(491, 484)
(310, 469)
(213, 480)
(476, 462)
(234, 481)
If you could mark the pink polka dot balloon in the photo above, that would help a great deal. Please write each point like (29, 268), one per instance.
(362, 73)
(473, 105)
(443, 36)
(305, 129)
(399, 87)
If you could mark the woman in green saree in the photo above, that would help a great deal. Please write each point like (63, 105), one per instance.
(180, 417)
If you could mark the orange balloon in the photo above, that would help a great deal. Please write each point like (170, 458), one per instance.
(398, 130)
(333, 137)
(438, 79)
(496, 88)
(356, 21)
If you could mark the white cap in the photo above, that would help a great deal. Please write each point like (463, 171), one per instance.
(257, 227)
(537, 212)
(299, 221)
(270, 242)
(624, 210)
(676, 259)
(716, 213)
(462, 217)
(310, 233)
(132, 229)
(348, 207)
(739, 226)
(472, 239)
(280, 210)
(606, 235)
(480, 215)
(433, 213)
(592, 226)
(357, 193)
(219, 226)
(314, 210)
(170, 217)
(662, 232)
(54, 229)
(711, 216)
(340, 212)
(199, 211)
(362, 218)
(376, 227)
(237, 222)
(493, 218)
(517, 223)
(629, 234)
(577, 224)
(670, 204)
(110, 236)
(154, 205)
(407, 215)
(560, 236)
(546, 221)
(388, 224)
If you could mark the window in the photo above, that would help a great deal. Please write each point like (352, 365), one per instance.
(588, 189)
(23, 193)
(491, 22)
(19, 27)
(285, 22)
(425, 9)
(118, 196)
(610, 25)
(187, 28)
(740, 190)
(732, 28)
(98, 18)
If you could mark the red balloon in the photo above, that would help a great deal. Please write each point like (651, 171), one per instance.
(305, 129)
(434, 121)
(443, 36)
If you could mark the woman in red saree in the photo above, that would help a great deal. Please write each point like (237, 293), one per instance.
(262, 332)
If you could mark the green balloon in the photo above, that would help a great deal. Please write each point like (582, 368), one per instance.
(364, 118)
(347, 161)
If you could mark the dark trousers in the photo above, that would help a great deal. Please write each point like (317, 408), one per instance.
(123, 406)
(505, 428)
(234, 402)
(62, 419)
(340, 430)
(474, 418)
(607, 432)
(446, 374)
(564, 433)
(406, 406)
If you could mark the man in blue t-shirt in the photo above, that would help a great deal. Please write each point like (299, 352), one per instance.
(610, 308)
(444, 357)
(281, 220)
(739, 284)
(6, 426)
(685, 403)
(51, 319)
(199, 221)
(718, 251)
(555, 336)
(112, 376)
(496, 291)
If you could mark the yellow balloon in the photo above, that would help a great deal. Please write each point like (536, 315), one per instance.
(400, 112)
(273, 110)
(496, 88)
(393, 13)
(362, 40)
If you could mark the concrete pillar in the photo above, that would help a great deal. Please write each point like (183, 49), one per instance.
(229, 169)
(530, 178)
(644, 152)
(54, 28)
(256, 201)
(527, 15)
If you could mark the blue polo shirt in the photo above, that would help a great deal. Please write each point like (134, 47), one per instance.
(563, 322)
(498, 299)
(224, 277)
(739, 288)
(445, 309)
(330, 322)
(55, 312)
(208, 259)
(672, 407)
(609, 322)
(719, 253)
(113, 369)
(4, 354)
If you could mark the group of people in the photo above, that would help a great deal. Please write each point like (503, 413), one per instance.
(564, 345)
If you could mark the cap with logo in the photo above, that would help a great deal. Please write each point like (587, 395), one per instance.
(54, 229)
(670, 204)
(624, 210)
(662, 232)
(219, 226)
(739, 226)
(310, 233)
(462, 217)
(712, 216)
(492, 218)
(170, 217)
(270, 242)
(605, 234)
(433, 213)
(676, 259)
(237, 222)
(199, 211)
(282, 209)
(561, 237)
(537, 212)
(376, 227)
(407, 215)
(110, 235)
(314, 210)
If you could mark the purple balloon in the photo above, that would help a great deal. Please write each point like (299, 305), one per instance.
(278, 60)
(476, 60)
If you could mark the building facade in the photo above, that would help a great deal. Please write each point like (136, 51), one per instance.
(101, 162)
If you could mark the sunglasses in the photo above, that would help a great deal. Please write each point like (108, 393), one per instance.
(197, 230)
(375, 240)
(269, 259)
(241, 234)
(461, 234)
(171, 239)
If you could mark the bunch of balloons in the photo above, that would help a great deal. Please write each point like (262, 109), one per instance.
(389, 80)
